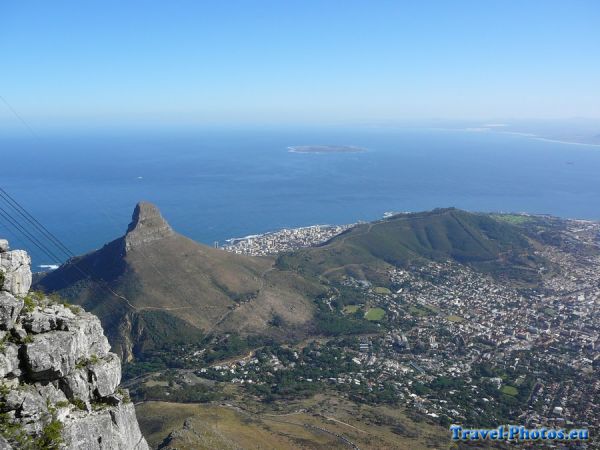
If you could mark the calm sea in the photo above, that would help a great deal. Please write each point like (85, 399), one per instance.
(215, 184)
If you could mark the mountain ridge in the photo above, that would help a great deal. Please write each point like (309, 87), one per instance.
(474, 239)
(152, 279)
(153, 287)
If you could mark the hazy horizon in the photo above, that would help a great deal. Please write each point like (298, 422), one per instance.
(106, 63)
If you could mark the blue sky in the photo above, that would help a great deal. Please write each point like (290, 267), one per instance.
(298, 61)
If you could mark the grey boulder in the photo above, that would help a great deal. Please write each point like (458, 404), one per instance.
(105, 375)
(10, 307)
(9, 360)
(76, 386)
(15, 266)
(54, 317)
(54, 355)
(115, 428)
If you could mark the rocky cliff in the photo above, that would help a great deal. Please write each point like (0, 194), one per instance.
(147, 225)
(58, 379)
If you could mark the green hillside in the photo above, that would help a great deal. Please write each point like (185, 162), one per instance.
(478, 240)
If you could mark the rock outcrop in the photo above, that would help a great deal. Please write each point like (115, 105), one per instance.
(147, 225)
(15, 270)
(58, 379)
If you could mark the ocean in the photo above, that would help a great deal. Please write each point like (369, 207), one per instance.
(215, 184)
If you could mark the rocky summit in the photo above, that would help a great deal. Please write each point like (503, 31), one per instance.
(147, 225)
(58, 379)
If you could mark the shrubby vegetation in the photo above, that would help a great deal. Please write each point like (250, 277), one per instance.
(332, 324)
(198, 393)
(49, 439)
(233, 345)
(177, 356)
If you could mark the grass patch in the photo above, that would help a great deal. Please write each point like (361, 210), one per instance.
(419, 311)
(351, 309)
(51, 437)
(509, 390)
(79, 403)
(382, 290)
(87, 361)
(29, 304)
(375, 314)
(454, 318)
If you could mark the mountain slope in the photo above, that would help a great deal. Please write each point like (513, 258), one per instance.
(153, 287)
(475, 239)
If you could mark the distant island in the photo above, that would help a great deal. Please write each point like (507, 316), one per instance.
(325, 149)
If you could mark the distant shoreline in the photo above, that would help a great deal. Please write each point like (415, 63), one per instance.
(538, 137)
(325, 149)
(586, 144)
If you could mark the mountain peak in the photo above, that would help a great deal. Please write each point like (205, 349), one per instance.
(147, 225)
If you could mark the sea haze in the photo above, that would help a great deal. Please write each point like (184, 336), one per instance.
(216, 184)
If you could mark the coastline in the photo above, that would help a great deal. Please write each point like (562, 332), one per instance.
(585, 144)
(527, 135)
(267, 233)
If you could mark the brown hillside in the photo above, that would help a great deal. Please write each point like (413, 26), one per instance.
(154, 286)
